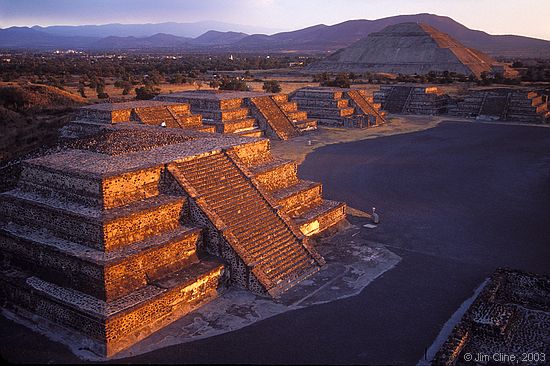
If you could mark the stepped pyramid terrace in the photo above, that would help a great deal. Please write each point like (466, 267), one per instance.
(410, 99)
(250, 114)
(505, 105)
(339, 107)
(131, 225)
(410, 48)
(148, 112)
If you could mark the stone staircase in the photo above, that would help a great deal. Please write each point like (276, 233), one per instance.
(273, 256)
(366, 105)
(504, 104)
(156, 116)
(182, 112)
(110, 264)
(298, 118)
(396, 100)
(171, 115)
(91, 119)
(528, 107)
(117, 237)
(279, 117)
(339, 107)
(226, 112)
(494, 106)
(246, 113)
(327, 105)
(301, 201)
(421, 100)
(273, 118)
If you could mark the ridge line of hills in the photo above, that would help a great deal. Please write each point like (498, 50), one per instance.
(315, 39)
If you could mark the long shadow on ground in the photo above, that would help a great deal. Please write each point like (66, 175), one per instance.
(456, 202)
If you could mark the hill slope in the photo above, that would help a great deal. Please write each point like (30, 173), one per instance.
(30, 116)
(24, 37)
(159, 40)
(318, 38)
(322, 38)
(407, 48)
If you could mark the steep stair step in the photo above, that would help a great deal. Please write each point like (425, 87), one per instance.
(259, 231)
(320, 214)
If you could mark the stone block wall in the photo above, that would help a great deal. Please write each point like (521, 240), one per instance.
(503, 104)
(130, 187)
(301, 201)
(253, 151)
(278, 176)
(112, 267)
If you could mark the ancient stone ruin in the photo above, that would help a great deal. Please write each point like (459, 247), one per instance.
(503, 104)
(409, 48)
(132, 226)
(93, 118)
(279, 117)
(511, 316)
(246, 113)
(410, 99)
(339, 107)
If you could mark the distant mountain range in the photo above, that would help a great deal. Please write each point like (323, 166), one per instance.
(316, 39)
(191, 30)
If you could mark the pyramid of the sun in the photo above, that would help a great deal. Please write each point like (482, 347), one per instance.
(407, 48)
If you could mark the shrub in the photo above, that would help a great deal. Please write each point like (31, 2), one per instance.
(233, 84)
(272, 86)
(146, 92)
(340, 81)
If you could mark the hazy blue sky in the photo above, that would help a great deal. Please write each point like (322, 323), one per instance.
(524, 17)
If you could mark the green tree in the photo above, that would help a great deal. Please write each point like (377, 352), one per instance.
(233, 84)
(127, 89)
(321, 78)
(178, 78)
(155, 77)
(272, 86)
(125, 85)
(81, 90)
(146, 92)
(100, 89)
(340, 81)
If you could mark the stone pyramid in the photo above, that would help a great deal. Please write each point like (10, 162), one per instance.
(407, 48)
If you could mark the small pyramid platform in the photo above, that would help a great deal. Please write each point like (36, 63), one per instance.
(407, 48)
(252, 114)
(412, 99)
(126, 229)
(339, 107)
(504, 104)
(91, 119)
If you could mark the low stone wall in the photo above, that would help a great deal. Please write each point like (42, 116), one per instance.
(280, 176)
(109, 329)
(302, 200)
(321, 103)
(248, 153)
(104, 277)
(130, 187)
(63, 182)
(140, 225)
